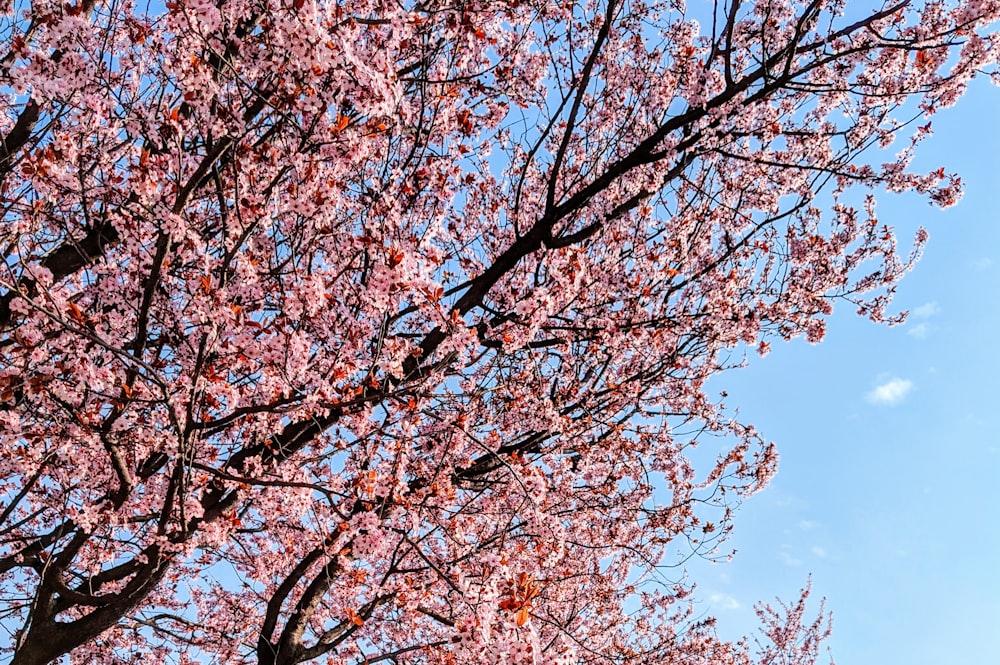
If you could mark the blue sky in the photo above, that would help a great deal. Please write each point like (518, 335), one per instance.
(890, 452)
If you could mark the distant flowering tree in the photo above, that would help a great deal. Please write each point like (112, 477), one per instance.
(373, 331)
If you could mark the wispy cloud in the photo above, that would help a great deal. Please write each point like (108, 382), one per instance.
(819, 551)
(723, 601)
(927, 310)
(891, 392)
(920, 331)
(984, 263)
(923, 328)
(788, 559)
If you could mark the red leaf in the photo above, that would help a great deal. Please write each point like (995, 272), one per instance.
(395, 258)
(76, 313)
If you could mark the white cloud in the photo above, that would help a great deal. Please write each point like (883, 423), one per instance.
(724, 601)
(984, 263)
(891, 392)
(819, 551)
(927, 310)
(788, 559)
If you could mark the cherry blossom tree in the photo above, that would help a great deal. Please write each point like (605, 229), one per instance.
(360, 332)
